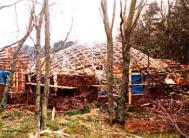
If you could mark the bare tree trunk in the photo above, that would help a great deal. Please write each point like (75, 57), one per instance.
(47, 67)
(38, 72)
(109, 68)
(126, 27)
(125, 80)
(13, 63)
(109, 72)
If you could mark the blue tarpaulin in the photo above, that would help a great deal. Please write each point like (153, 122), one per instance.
(3, 77)
(137, 89)
(138, 78)
(137, 83)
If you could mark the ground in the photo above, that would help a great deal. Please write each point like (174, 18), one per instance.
(88, 122)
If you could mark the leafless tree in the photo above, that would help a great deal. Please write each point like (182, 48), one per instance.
(109, 69)
(47, 67)
(13, 62)
(127, 25)
(38, 26)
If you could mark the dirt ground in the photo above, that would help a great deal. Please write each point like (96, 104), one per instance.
(163, 116)
(18, 122)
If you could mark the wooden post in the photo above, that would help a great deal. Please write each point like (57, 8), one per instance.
(130, 85)
(53, 113)
(14, 80)
(29, 79)
(55, 76)
(22, 80)
(17, 79)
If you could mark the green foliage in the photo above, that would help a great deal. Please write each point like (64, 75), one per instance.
(83, 110)
(164, 34)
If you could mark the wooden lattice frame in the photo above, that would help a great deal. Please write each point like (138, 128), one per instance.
(85, 58)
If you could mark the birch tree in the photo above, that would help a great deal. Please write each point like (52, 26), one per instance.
(109, 69)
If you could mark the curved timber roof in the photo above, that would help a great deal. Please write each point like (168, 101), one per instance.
(87, 58)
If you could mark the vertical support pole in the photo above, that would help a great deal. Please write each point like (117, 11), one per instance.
(17, 79)
(29, 79)
(53, 113)
(22, 80)
(130, 85)
(14, 80)
(55, 76)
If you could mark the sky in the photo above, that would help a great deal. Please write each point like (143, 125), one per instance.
(87, 21)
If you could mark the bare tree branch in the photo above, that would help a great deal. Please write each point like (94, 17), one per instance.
(9, 5)
(15, 8)
(140, 7)
(18, 41)
(125, 9)
(13, 62)
(122, 20)
(113, 15)
(105, 15)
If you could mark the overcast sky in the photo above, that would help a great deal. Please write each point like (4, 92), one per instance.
(87, 21)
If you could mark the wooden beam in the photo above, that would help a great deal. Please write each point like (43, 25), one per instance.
(54, 86)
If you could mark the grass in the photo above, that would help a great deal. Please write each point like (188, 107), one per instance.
(54, 125)
(15, 123)
(161, 135)
(91, 125)
(77, 123)
(83, 110)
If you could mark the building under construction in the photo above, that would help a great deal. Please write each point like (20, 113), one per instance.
(81, 68)
(79, 71)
